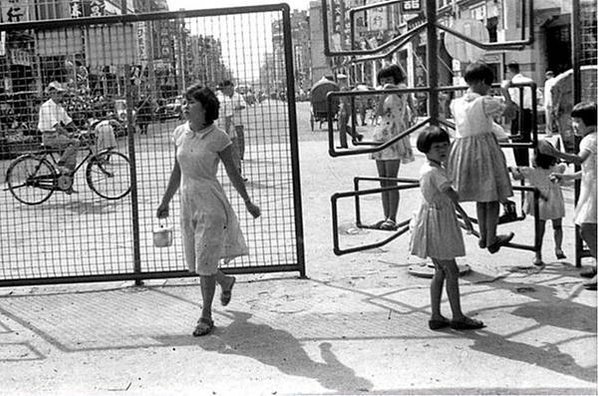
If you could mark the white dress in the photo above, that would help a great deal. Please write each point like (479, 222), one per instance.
(585, 210)
(209, 225)
(435, 230)
(476, 162)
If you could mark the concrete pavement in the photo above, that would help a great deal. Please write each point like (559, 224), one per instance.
(357, 325)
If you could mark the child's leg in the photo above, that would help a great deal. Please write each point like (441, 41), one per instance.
(481, 212)
(539, 239)
(494, 241)
(392, 170)
(492, 209)
(383, 183)
(436, 291)
(451, 273)
(557, 228)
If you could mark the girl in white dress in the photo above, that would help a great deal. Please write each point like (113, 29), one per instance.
(435, 231)
(396, 111)
(551, 205)
(476, 162)
(583, 117)
(209, 225)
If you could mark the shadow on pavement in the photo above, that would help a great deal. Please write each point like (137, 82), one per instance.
(280, 349)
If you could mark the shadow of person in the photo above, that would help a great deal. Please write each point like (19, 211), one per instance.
(280, 349)
(548, 310)
(549, 356)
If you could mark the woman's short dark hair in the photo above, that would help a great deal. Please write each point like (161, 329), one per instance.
(429, 135)
(586, 111)
(394, 71)
(208, 100)
(479, 71)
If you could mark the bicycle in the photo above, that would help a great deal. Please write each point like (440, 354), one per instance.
(33, 177)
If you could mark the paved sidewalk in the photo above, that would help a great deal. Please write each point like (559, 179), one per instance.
(357, 325)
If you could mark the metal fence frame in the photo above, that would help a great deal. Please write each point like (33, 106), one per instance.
(137, 274)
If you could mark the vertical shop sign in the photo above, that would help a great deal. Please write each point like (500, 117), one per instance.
(76, 9)
(163, 40)
(14, 11)
(377, 18)
(2, 43)
(141, 29)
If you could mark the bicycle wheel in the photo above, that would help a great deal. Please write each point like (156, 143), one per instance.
(31, 180)
(109, 174)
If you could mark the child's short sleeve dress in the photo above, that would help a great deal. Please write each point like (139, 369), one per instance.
(553, 206)
(476, 162)
(435, 230)
(209, 225)
(395, 120)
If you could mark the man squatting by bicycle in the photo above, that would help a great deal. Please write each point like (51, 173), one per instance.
(55, 126)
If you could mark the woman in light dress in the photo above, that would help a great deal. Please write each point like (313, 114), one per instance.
(209, 225)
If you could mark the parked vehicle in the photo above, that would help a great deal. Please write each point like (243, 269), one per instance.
(170, 108)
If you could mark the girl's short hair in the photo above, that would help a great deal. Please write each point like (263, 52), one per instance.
(586, 111)
(395, 71)
(429, 135)
(208, 100)
(479, 71)
(541, 160)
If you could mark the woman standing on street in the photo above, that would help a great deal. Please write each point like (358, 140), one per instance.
(209, 224)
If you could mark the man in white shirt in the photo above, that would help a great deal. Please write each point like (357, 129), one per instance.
(521, 126)
(238, 104)
(548, 102)
(55, 126)
(228, 108)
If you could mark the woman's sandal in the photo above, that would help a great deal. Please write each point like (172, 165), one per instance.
(467, 324)
(559, 254)
(226, 295)
(204, 327)
(436, 324)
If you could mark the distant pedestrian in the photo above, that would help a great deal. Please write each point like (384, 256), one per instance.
(551, 205)
(521, 126)
(435, 230)
(345, 112)
(583, 118)
(237, 104)
(396, 113)
(209, 225)
(476, 163)
(145, 114)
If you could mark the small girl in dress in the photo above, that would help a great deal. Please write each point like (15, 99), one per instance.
(551, 205)
(396, 115)
(435, 229)
(476, 162)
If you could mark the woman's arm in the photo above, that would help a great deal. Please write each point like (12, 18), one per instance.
(173, 185)
(235, 177)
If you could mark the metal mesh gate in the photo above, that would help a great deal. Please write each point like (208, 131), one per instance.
(132, 70)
